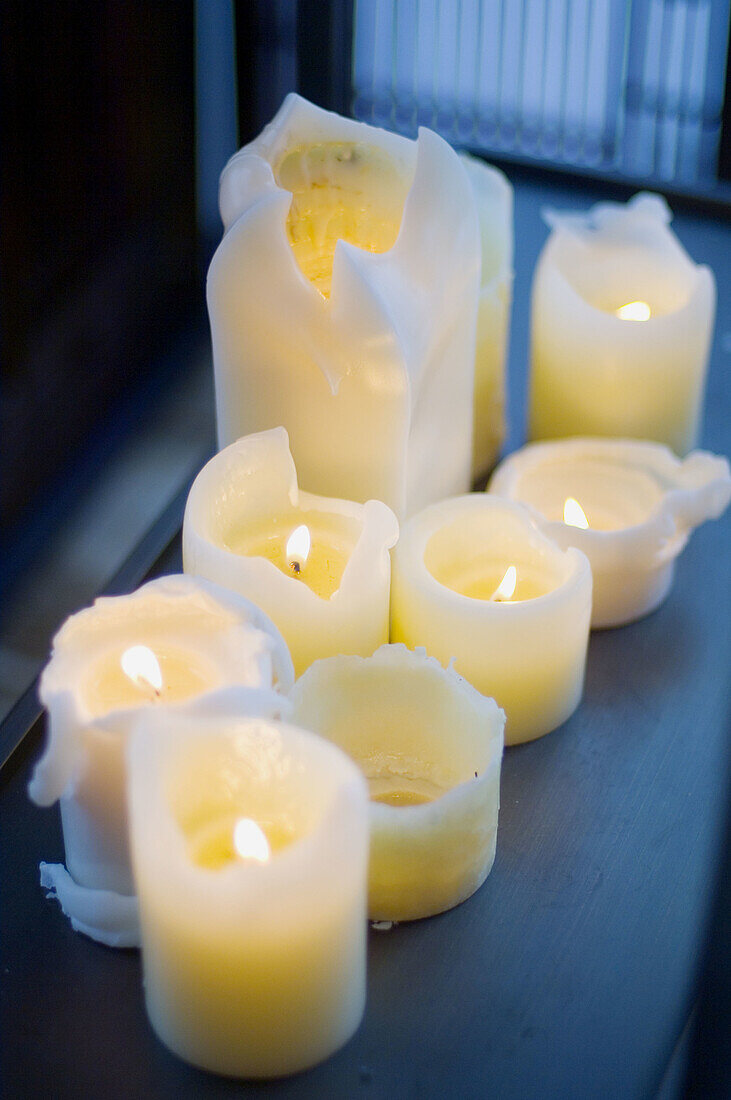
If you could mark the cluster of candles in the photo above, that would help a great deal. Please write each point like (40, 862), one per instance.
(306, 727)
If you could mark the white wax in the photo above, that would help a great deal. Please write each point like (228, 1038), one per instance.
(218, 639)
(494, 198)
(430, 747)
(595, 374)
(252, 967)
(250, 488)
(528, 652)
(641, 504)
(368, 360)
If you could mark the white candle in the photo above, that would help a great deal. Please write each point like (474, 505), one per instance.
(250, 846)
(455, 566)
(621, 328)
(343, 305)
(430, 747)
(494, 198)
(173, 639)
(245, 508)
(629, 506)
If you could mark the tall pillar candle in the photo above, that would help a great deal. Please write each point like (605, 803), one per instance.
(621, 328)
(319, 567)
(250, 847)
(174, 639)
(343, 305)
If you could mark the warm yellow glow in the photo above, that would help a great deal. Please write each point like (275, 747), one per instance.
(507, 585)
(298, 547)
(634, 311)
(574, 515)
(142, 666)
(250, 842)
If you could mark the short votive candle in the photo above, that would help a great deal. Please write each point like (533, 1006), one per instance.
(250, 848)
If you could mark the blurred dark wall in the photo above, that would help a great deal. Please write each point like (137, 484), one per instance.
(98, 221)
(266, 47)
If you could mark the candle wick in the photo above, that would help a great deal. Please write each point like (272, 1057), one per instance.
(296, 567)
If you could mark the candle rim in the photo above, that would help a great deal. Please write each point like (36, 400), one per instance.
(616, 224)
(418, 531)
(372, 508)
(662, 535)
(154, 755)
(296, 513)
(163, 595)
(61, 764)
(700, 276)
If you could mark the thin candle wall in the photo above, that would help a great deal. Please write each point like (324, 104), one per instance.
(343, 305)
(206, 638)
(253, 946)
(243, 508)
(595, 370)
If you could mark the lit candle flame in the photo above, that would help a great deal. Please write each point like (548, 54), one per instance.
(298, 547)
(634, 311)
(507, 585)
(250, 842)
(142, 666)
(574, 515)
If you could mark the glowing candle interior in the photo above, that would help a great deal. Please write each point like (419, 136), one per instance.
(403, 790)
(341, 190)
(482, 576)
(314, 547)
(229, 839)
(141, 675)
